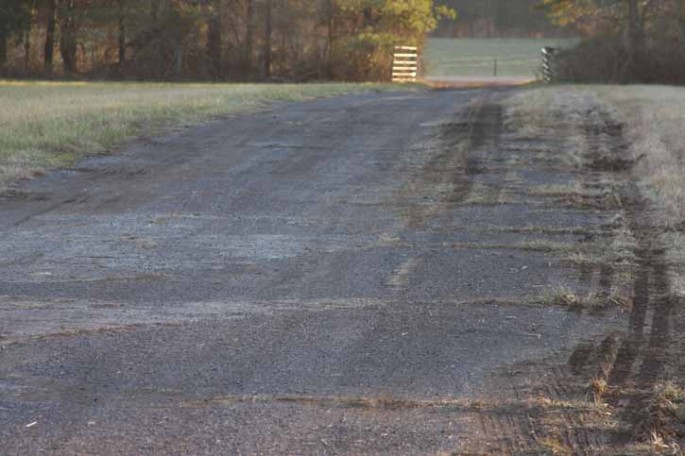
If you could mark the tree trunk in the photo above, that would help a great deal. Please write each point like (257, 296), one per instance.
(178, 60)
(50, 37)
(3, 47)
(67, 39)
(27, 47)
(680, 5)
(214, 42)
(162, 67)
(249, 38)
(121, 37)
(268, 33)
(635, 37)
(27, 38)
(330, 45)
(491, 19)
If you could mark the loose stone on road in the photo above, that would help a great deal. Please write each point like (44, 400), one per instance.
(358, 275)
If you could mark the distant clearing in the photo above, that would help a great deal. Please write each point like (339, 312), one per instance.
(45, 125)
(516, 58)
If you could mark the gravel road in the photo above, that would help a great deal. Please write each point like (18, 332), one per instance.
(327, 277)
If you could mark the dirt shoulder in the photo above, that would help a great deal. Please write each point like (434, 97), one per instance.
(633, 376)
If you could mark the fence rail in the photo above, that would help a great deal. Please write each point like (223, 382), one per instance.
(405, 65)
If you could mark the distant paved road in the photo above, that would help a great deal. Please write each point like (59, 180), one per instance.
(287, 282)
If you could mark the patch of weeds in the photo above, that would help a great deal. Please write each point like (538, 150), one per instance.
(575, 405)
(162, 219)
(580, 258)
(542, 229)
(553, 190)
(531, 246)
(595, 302)
(142, 243)
(540, 245)
(623, 278)
(605, 199)
(622, 247)
(616, 299)
(617, 249)
(553, 446)
(603, 300)
(362, 402)
(485, 195)
(604, 361)
(67, 333)
(664, 416)
(564, 298)
(598, 387)
(640, 449)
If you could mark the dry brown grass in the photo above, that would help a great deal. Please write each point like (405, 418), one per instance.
(593, 302)
(664, 417)
(535, 245)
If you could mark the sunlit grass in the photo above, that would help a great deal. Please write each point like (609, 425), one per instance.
(49, 124)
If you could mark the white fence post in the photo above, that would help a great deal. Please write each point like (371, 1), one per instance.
(405, 65)
(547, 63)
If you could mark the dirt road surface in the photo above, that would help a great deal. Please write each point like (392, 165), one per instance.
(371, 274)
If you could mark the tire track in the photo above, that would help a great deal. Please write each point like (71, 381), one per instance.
(447, 178)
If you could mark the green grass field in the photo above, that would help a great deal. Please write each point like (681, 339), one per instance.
(516, 58)
(48, 124)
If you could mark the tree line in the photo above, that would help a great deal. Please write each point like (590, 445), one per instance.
(210, 39)
(625, 40)
(498, 18)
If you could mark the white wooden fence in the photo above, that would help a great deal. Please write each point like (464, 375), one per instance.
(405, 65)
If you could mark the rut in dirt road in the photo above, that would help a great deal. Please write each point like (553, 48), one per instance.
(447, 179)
(345, 276)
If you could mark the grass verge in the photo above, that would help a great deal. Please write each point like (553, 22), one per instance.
(651, 118)
(628, 141)
(47, 124)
